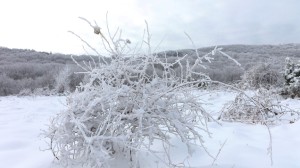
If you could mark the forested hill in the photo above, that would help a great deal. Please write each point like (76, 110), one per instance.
(290, 50)
(223, 69)
(23, 69)
(239, 52)
(249, 54)
(29, 70)
(25, 55)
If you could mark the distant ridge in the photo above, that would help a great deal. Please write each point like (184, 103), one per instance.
(292, 50)
(29, 69)
(247, 55)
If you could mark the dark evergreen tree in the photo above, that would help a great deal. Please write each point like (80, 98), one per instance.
(292, 79)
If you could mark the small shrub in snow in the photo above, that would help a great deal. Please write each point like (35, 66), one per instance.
(262, 75)
(262, 108)
(42, 92)
(25, 92)
(127, 105)
(62, 80)
(67, 79)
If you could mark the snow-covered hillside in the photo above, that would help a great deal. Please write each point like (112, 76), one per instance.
(22, 120)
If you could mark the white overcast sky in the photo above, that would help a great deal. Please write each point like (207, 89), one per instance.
(43, 24)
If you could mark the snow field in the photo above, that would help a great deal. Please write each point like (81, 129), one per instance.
(22, 120)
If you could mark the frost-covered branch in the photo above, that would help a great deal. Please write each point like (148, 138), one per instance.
(129, 104)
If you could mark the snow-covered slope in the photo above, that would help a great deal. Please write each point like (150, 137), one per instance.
(22, 120)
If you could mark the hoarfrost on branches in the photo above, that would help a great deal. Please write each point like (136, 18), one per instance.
(260, 108)
(127, 104)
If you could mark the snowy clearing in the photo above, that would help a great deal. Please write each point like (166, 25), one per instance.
(22, 120)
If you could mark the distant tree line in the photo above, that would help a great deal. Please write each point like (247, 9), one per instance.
(26, 71)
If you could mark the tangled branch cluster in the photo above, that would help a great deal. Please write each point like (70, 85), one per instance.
(127, 105)
(261, 75)
(260, 108)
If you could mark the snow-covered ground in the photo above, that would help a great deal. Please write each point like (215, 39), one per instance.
(22, 120)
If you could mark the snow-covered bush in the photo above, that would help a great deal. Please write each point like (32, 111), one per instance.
(262, 108)
(127, 105)
(261, 75)
(292, 79)
(25, 92)
(67, 79)
(62, 80)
